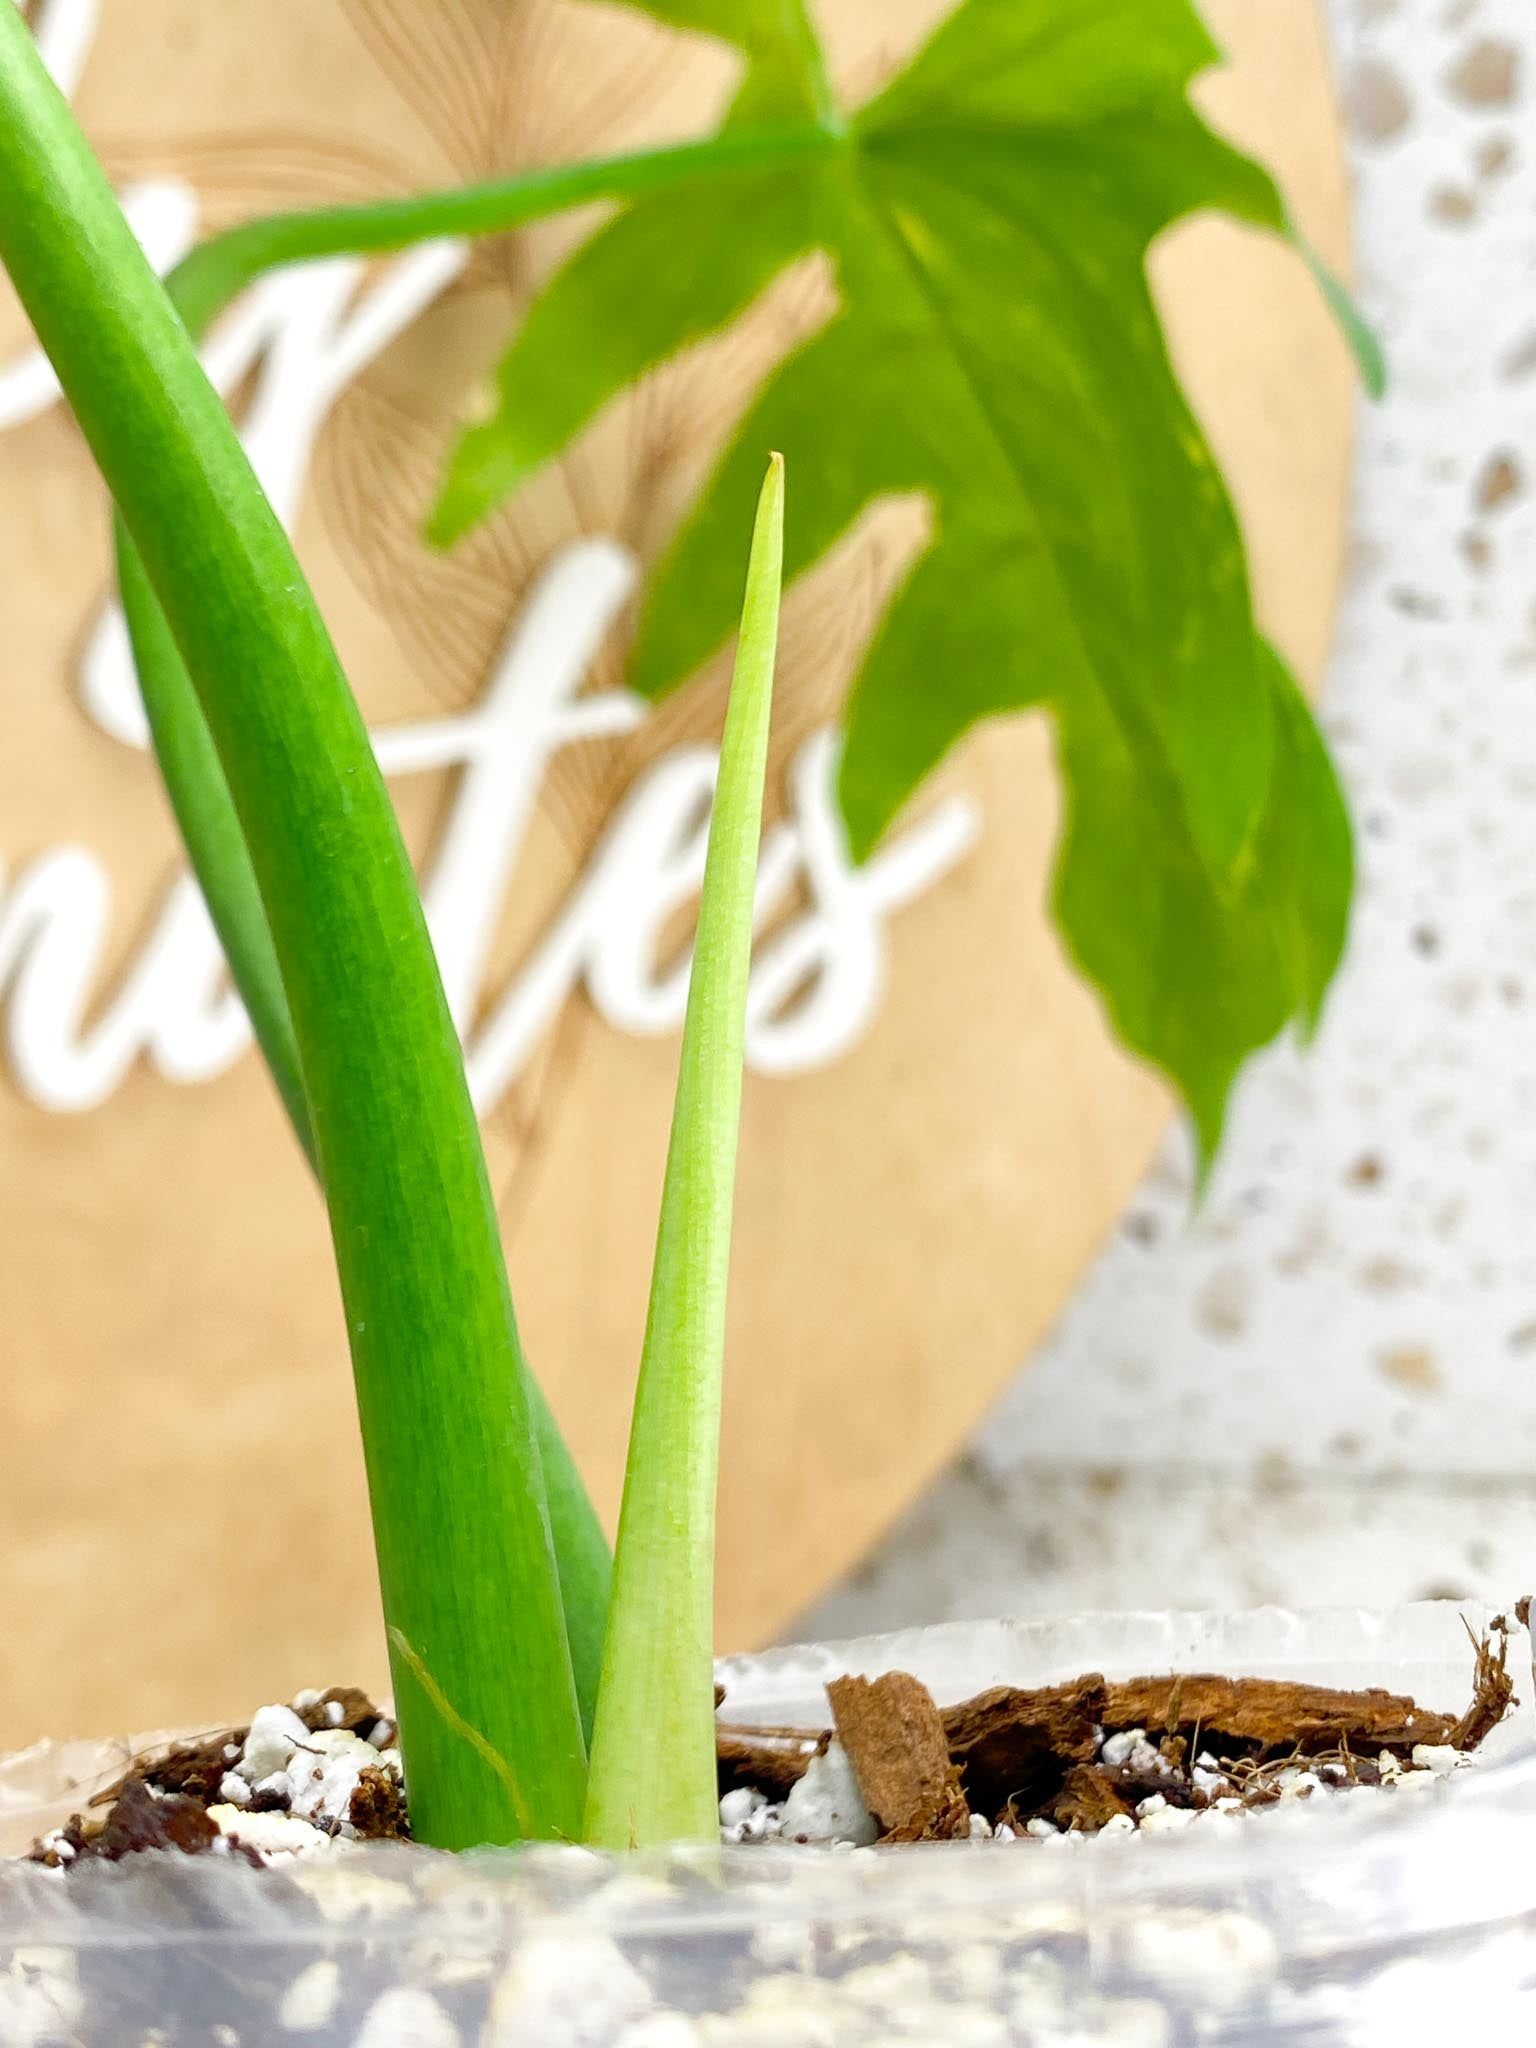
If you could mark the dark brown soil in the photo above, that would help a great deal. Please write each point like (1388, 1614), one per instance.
(139, 1819)
(163, 1801)
(378, 1809)
(358, 1713)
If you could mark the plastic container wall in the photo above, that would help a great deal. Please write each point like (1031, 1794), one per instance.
(1367, 1921)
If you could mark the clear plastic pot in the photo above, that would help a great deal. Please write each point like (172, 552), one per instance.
(1367, 1921)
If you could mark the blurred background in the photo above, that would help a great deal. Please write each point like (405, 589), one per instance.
(1321, 1385)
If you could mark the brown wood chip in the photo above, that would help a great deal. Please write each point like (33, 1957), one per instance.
(1017, 1745)
(1223, 1714)
(1492, 1689)
(770, 1760)
(1088, 1799)
(895, 1740)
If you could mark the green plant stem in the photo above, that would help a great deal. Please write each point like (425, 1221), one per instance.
(205, 282)
(210, 830)
(205, 812)
(652, 1777)
(201, 287)
(465, 1557)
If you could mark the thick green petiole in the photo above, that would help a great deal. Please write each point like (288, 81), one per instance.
(215, 273)
(653, 1752)
(465, 1556)
(210, 829)
(202, 286)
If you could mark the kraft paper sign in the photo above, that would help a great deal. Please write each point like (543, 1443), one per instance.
(937, 1132)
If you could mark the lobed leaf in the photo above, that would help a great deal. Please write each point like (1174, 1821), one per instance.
(989, 217)
(546, 392)
(1198, 979)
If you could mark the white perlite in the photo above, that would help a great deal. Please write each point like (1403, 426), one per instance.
(746, 1815)
(323, 1773)
(275, 1733)
(303, 1779)
(407, 2019)
(40, 1998)
(660, 2030)
(311, 1998)
(1225, 1953)
(270, 1834)
(827, 1805)
(572, 1989)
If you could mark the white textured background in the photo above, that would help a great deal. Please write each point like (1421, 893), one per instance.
(1324, 1387)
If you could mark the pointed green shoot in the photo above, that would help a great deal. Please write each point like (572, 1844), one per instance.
(652, 1776)
(466, 1561)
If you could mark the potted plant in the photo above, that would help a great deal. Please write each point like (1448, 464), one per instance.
(542, 1693)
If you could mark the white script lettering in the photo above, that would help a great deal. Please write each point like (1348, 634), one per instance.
(815, 986)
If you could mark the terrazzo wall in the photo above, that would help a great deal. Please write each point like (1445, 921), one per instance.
(1323, 1387)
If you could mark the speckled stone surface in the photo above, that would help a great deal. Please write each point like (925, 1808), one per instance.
(1324, 1387)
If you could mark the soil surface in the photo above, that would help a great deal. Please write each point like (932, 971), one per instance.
(324, 1767)
(1077, 1758)
(1011, 1764)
